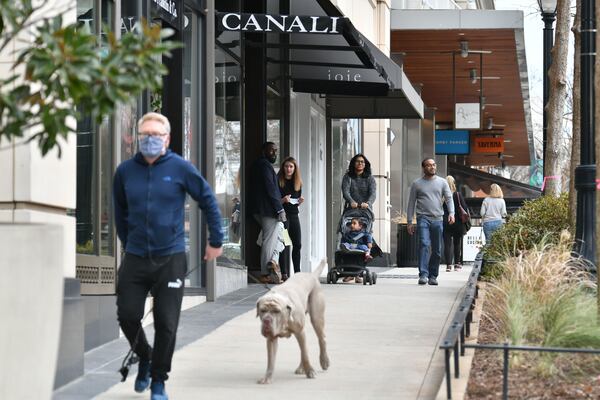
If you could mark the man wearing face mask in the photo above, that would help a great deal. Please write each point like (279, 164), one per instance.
(149, 199)
(265, 205)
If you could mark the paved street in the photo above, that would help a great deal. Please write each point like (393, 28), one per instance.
(382, 341)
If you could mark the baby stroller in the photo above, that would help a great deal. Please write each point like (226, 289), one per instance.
(350, 262)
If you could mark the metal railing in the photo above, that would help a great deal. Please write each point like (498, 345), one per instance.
(460, 328)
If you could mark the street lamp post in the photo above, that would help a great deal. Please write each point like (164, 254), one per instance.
(585, 173)
(548, 10)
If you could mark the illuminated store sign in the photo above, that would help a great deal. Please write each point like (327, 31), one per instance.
(279, 23)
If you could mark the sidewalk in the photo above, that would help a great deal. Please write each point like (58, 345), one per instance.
(382, 342)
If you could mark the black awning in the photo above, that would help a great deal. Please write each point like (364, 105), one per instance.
(345, 66)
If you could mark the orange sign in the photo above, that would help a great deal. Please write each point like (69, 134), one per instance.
(488, 145)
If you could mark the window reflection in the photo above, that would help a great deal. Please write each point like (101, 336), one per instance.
(228, 145)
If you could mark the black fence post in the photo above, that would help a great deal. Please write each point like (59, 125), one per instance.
(448, 377)
(456, 355)
(505, 373)
(462, 339)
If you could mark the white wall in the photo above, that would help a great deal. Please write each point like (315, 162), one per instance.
(307, 145)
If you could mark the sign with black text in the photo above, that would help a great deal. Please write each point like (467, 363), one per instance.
(279, 23)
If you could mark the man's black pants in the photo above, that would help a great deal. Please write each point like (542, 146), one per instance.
(164, 278)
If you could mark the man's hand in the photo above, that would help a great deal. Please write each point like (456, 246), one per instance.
(450, 219)
(281, 217)
(411, 229)
(210, 253)
(353, 204)
(364, 205)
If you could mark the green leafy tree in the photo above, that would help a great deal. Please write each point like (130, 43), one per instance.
(67, 69)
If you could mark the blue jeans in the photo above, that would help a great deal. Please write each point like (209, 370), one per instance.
(490, 227)
(430, 246)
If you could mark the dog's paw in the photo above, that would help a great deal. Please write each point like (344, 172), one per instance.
(299, 370)
(324, 362)
(264, 381)
(311, 374)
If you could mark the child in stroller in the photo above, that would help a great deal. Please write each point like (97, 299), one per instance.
(356, 248)
(358, 239)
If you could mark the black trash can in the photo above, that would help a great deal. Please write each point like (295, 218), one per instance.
(407, 249)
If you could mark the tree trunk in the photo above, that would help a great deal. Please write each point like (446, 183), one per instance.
(597, 149)
(556, 99)
(576, 130)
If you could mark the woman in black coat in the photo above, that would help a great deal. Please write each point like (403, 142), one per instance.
(290, 187)
(453, 233)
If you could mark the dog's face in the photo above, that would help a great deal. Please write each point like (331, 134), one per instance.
(275, 314)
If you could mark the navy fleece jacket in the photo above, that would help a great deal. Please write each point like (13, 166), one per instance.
(149, 203)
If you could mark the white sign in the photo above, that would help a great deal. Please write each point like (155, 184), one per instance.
(467, 116)
(279, 23)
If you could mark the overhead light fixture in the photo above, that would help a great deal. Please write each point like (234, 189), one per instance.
(473, 75)
(490, 123)
(482, 102)
(464, 48)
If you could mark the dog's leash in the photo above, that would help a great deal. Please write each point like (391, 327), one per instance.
(131, 358)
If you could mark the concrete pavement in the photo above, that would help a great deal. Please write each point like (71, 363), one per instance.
(382, 342)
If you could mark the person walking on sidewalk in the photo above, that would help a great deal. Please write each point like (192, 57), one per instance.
(149, 192)
(453, 234)
(265, 205)
(359, 190)
(290, 187)
(428, 194)
(493, 211)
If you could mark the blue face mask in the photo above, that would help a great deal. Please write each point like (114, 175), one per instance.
(151, 146)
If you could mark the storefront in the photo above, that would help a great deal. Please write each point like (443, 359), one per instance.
(307, 77)
(305, 83)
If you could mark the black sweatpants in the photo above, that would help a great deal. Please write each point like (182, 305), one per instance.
(452, 246)
(164, 278)
(293, 227)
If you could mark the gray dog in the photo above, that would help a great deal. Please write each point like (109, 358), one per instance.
(282, 312)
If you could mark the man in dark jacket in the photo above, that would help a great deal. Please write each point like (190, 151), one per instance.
(149, 199)
(265, 205)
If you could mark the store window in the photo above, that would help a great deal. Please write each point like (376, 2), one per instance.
(95, 231)
(193, 121)
(346, 141)
(228, 151)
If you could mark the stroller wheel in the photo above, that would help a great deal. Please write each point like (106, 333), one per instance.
(373, 278)
(332, 277)
(366, 278)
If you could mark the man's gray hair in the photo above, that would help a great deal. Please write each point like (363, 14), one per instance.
(153, 116)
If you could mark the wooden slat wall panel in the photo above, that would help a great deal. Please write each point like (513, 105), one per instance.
(428, 61)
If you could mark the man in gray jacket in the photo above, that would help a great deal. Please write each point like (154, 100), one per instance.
(428, 194)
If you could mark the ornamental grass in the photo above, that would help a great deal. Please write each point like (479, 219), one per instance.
(544, 297)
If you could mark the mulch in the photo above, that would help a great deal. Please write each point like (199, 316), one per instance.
(579, 377)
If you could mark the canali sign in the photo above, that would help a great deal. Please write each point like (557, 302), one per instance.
(279, 23)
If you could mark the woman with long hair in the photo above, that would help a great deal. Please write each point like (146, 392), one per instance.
(493, 211)
(358, 185)
(453, 233)
(290, 187)
(359, 190)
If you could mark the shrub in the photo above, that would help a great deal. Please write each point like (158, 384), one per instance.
(538, 221)
(544, 298)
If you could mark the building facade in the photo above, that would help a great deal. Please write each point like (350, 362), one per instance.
(321, 97)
